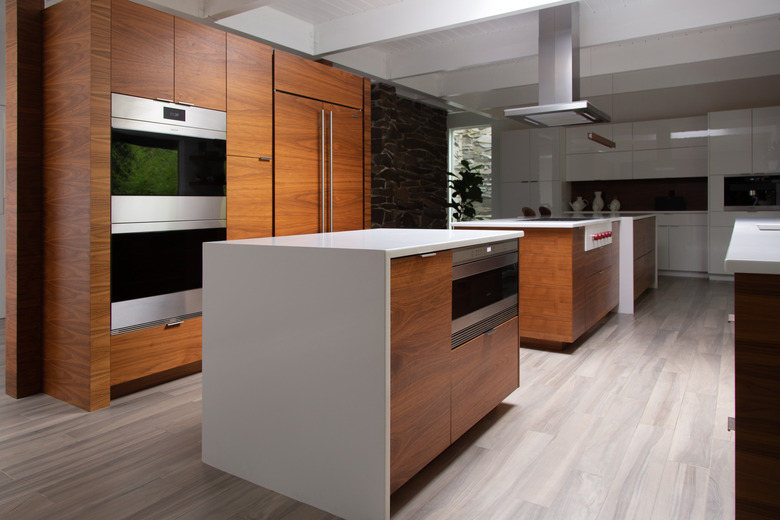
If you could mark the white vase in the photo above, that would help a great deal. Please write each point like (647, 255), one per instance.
(614, 205)
(598, 202)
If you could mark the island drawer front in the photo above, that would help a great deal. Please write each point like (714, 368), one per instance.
(151, 351)
(484, 372)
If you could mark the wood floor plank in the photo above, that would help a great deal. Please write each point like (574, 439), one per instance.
(630, 424)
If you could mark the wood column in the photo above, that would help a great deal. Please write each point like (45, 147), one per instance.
(77, 197)
(24, 260)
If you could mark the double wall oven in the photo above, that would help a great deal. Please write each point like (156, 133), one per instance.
(167, 199)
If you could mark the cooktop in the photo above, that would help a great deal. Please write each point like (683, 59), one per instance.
(557, 219)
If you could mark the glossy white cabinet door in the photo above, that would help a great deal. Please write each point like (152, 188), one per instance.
(766, 140)
(513, 157)
(662, 247)
(682, 132)
(688, 248)
(545, 154)
(513, 196)
(670, 162)
(719, 244)
(599, 166)
(577, 138)
(730, 142)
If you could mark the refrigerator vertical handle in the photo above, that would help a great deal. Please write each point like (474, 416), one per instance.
(330, 152)
(322, 168)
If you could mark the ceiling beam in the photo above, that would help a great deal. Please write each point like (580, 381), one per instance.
(218, 9)
(278, 29)
(404, 19)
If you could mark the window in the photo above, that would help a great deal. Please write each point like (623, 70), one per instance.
(475, 145)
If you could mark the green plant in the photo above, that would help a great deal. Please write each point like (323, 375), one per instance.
(466, 191)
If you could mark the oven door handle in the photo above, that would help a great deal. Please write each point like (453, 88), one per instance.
(484, 265)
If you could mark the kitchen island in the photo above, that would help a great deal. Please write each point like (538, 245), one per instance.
(568, 275)
(327, 365)
(754, 258)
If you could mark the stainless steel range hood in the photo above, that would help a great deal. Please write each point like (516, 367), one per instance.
(559, 74)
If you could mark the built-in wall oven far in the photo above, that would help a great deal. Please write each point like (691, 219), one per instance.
(484, 289)
(167, 199)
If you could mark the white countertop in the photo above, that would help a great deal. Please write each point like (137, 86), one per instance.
(395, 242)
(754, 246)
(520, 222)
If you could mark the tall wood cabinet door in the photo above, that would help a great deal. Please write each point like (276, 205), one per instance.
(249, 198)
(249, 98)
(141, 51)
(420, 339)
(345, 162)
(299, 170)
(200, 65)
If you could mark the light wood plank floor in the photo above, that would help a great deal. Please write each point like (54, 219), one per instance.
(631, 424)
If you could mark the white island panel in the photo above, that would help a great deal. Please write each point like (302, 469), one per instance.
(296, 373)
(754, 246)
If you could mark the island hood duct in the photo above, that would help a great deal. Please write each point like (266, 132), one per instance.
(559, 74)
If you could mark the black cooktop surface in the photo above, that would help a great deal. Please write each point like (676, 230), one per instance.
(557, 219)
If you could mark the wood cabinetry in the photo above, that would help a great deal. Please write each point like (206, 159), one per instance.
(565, 290)
(319, 172)
(756, 358)
(420, 332)
(164, 352)
(249, 198)
(249, 139)
(644, 255)
(484, 372)
(157, 55)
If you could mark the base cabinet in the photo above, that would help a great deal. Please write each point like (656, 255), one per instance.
(484, 372)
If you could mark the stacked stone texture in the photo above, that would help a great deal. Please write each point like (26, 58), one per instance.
(408, 162)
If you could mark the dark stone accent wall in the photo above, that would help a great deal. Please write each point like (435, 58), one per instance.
(408, 162)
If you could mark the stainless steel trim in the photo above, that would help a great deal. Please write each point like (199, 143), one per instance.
(266, 158)
(322, 168)
(146, 115)
(482, 265)
(173, 324)
(178, 225)
(185, 103)
(166, 208)
(483, 313)
(132, 313)
(330, 164)
(427, 255)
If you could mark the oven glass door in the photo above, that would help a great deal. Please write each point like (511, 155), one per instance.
(156, 276)
(145, 163)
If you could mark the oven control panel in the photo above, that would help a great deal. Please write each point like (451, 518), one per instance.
(598, 235)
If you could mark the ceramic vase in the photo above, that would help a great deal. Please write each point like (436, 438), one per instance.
(598, 202)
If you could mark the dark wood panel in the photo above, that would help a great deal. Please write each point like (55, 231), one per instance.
(757, 387)
(298, 149)
(200, 65)
(598, 295)
(314, 80)
(77, 197)
(249, 98)
(346, 159)
(23, 205)
(420, 336)
(644, 273)
(249, 198)
(156, 350)
(141, 51)
(644, 236)
(484, 372)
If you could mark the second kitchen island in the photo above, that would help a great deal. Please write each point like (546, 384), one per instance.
(328, 372)
(568, 275)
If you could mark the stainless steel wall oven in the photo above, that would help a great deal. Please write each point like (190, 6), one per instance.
(484, 289)
(167, 199)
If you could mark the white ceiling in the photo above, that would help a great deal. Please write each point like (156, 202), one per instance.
(480, 55)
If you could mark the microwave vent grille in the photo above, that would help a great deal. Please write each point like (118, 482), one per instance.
(479, 328)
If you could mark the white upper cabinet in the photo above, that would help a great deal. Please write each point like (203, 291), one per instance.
(684, 132)
(577, 140)
(670, 162)
(545, 154)
(513, 157)
(730, 142)
(766, 140)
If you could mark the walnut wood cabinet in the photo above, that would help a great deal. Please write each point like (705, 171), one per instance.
(420, 332)
(157, 55)
(437, 393)
(249, 139)
(644, 255)
(484, 372)
(320, 142)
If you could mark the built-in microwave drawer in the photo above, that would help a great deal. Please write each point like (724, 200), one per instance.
(751, 192)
